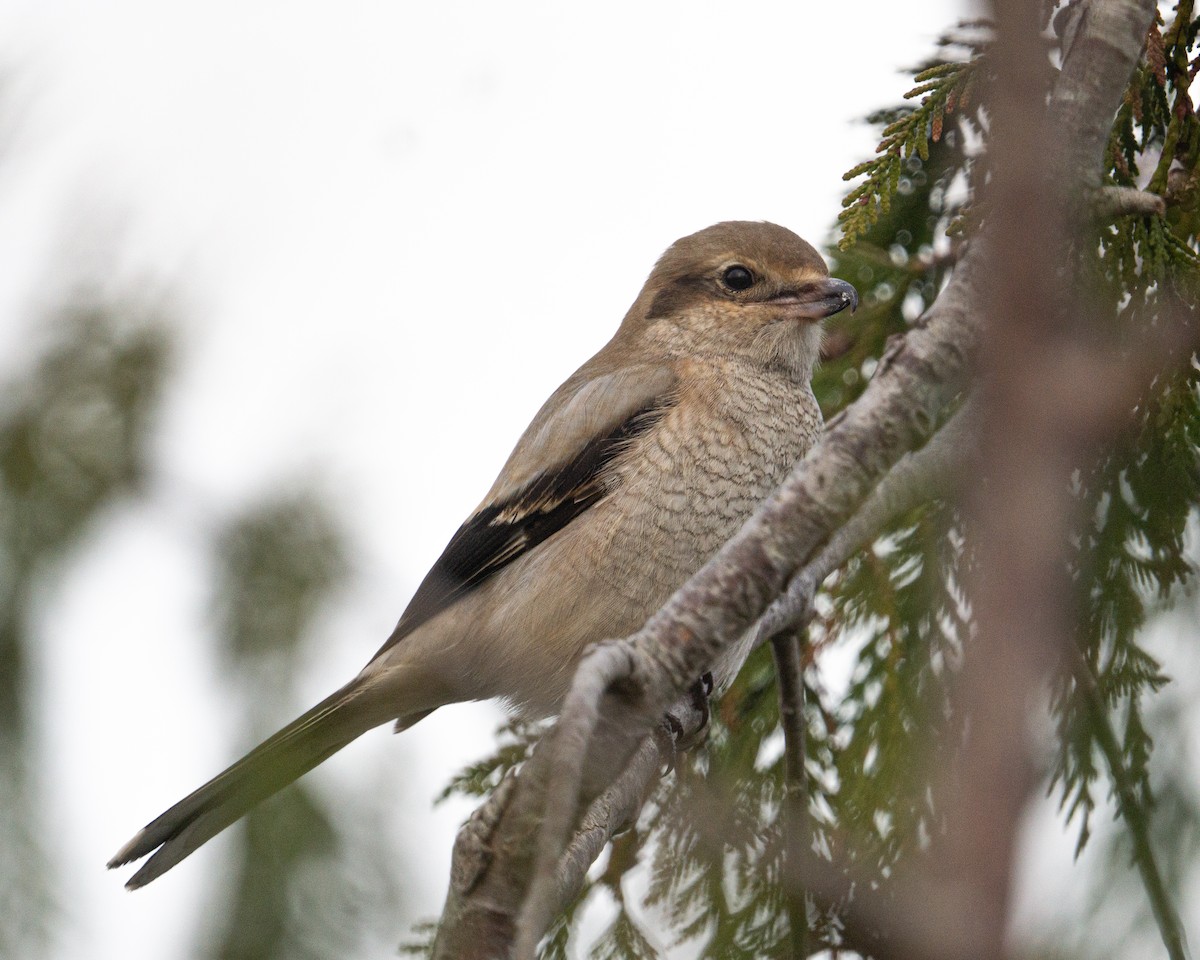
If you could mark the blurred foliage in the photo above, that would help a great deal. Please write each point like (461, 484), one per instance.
(310, 879)
(708, 848)
(275, 568)
(73, 439)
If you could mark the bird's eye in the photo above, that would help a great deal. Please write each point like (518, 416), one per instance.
(737, 277)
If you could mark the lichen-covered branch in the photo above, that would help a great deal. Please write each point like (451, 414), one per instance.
(493, 855)
(1110, 203)
(919, 376)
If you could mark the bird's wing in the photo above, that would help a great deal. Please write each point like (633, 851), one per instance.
(556, 472)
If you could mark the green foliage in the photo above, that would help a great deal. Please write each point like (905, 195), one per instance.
(623, 940)
(951, 107)
(1139, 501)
(708, 849)
(715, 838)
(898, 265)
(76, 441)
(896, 594)
(1156, 119)
(908, 132)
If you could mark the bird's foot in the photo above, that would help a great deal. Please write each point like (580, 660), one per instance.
(686, 725)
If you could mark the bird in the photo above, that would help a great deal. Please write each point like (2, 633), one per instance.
(631, 475)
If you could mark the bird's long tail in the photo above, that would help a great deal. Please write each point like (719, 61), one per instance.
(269, 767)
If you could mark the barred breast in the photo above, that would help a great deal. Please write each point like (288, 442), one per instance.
(689, 485)
(680, 491)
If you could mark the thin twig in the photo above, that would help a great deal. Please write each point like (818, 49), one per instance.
(493, 852)
(797, 831)
(1135, 815)
(608, 815)
(1111, 203)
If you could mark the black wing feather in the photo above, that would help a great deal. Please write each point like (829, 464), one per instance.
(497, 535)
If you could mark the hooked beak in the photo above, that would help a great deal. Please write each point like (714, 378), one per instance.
(815, 301)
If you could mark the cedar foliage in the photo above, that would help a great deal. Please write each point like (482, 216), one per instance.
(709, 844)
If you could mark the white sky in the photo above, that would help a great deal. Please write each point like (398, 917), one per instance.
(391, 230)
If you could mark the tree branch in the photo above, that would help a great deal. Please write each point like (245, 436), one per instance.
(624, 685)
(788, 648)
(1112, 203)
(496, 843)
(1045, 414)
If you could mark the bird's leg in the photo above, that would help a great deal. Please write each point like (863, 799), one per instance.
(700, 691)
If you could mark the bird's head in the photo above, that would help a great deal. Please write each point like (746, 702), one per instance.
(742, 287)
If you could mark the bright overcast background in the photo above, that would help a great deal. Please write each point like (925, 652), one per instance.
(388, 230)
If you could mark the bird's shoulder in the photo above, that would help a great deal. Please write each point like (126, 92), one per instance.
(558, 469)
(583, 412)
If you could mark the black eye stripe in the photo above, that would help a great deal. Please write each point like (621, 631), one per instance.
(737, 277)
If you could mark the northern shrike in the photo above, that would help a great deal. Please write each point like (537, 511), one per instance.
(633, 473)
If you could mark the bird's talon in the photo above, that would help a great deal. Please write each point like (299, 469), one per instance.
(668, 734)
